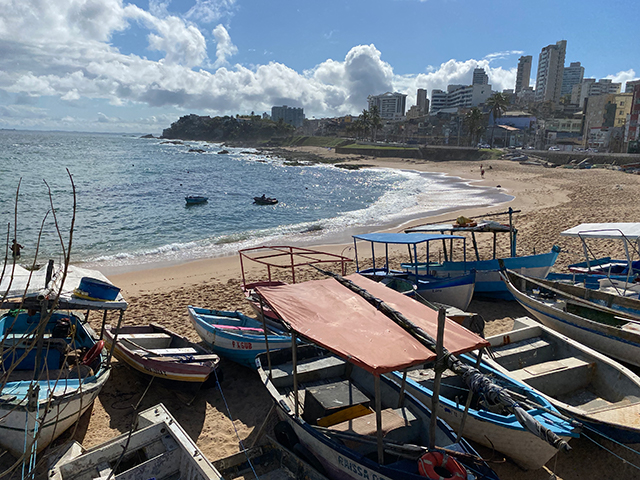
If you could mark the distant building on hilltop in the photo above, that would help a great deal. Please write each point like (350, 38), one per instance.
(590, 88)
(524, 73)
(391, 106)
(630, 86)
(422, 101)
(550, 72)
(460, 96)
(573, 75)
(291, 115)
(480, 77)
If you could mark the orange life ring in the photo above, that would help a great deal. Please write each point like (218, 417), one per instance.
(93, 353)
(434, 464)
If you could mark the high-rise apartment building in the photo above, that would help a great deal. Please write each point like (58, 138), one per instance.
(291, 115)
(391, 106)
(550, 72)
(524, 73)
(573, 75)
(631, 86)
(422, 101)
(590, 88)
(438, 100)
(480, 77)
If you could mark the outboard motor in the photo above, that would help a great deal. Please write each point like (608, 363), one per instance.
(62, 328)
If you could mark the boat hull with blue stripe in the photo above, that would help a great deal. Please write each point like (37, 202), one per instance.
(236, 336)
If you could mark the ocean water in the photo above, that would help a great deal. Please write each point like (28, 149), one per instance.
(131, 208)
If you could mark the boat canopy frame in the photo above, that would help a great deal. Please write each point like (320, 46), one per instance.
(287, 257)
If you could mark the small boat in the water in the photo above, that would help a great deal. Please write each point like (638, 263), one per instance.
(264, 200)
(158, 448)
(580, 382)
(236, 336)
(156, 351)
(196, 199)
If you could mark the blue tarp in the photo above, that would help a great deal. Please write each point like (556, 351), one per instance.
(404, 238)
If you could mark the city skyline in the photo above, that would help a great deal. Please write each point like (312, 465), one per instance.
(115, 66)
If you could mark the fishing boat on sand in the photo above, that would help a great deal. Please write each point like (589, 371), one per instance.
(583, 384)
(156, 351)
(53, 364)
(236, 336)
(281, 260)
(607, 323)
(335, 399)
(157, 448)
(454, 290)
(488, 282)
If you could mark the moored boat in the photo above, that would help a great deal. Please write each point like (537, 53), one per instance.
(156, 351)
(580, 382)
(236, 336)
(196, 199)
(263, 200)
(607, 323)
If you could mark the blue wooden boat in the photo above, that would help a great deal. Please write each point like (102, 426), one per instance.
(236, 336)
(488, 282)
(489, 424)
(455, 290)
(196, 199)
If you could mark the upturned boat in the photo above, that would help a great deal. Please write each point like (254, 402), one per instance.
(583, 384)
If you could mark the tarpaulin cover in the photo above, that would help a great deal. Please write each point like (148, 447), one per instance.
(332, 316)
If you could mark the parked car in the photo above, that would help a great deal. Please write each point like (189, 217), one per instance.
(553, 148)
(484, 145)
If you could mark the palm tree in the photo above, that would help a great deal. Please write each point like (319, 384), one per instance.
(365, 120)
(473, 121)
(497, 103)
(376, 121)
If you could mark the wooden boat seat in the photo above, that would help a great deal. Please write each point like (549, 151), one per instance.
(165, 352)
(522, 354)
(398, 425)
(308, 371)
(146, 340)
(557, 377)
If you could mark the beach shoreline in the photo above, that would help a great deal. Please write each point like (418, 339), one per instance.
(550, 200)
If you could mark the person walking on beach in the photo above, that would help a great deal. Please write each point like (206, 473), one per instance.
(482, 172)
(15, 249)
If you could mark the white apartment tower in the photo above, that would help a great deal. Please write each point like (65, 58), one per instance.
(391, 106)
(524, 73)
(550, 72)
(480, 77)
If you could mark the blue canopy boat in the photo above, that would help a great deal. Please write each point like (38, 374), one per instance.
(236, 336)
(455, 290)
(488, 282)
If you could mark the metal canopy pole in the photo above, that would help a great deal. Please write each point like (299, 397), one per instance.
(266, 338)
(115, 337)
(402, 387)
(376, 380)
(294, 357)
(435, 400)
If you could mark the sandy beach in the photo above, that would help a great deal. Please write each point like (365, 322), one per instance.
(550, 199)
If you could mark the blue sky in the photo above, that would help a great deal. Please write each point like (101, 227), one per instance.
(118, 66)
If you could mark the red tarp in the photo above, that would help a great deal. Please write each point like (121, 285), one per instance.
(334, 317)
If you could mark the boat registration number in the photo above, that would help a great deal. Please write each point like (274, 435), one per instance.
(242, 345)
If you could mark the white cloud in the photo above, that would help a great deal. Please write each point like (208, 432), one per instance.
(224, 46)
(209, 11)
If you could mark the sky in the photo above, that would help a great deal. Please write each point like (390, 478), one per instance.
(137, 66)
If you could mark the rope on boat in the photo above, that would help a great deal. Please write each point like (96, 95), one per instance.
(478, 382)
(610, 451)
(226, 405)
